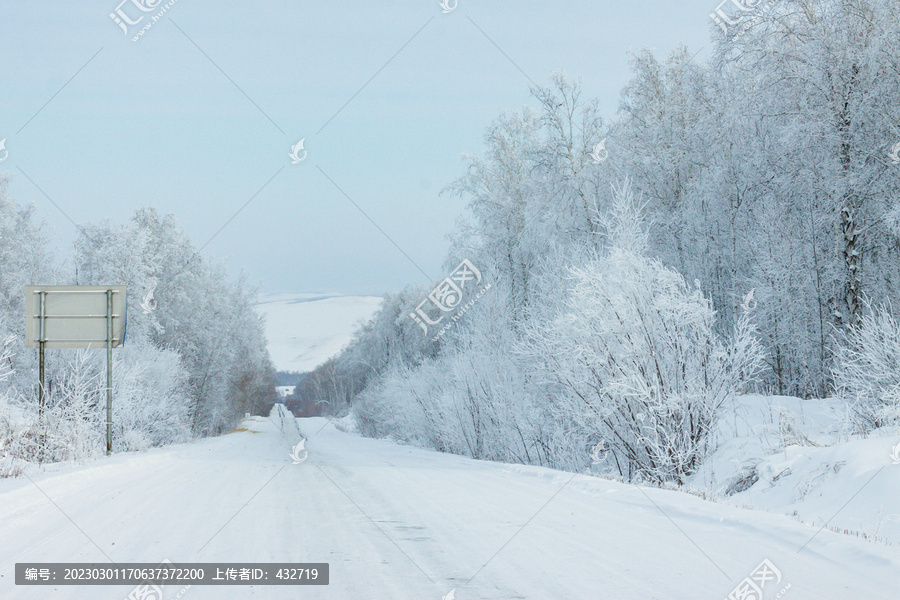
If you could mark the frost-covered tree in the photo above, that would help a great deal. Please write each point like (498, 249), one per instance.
(633, 359)
(152, 399)
(390, 338)
(471, 397)
(867, 369)
(207, 321)
(25, 259)
(815, 80)
(766, 167)
(666, 136)
(194, 359)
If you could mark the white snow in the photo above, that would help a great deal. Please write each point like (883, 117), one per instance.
(805, 467)
(405, 523)
(284, 390)
(305, 330)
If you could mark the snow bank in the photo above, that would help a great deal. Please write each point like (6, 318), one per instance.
(787, 455)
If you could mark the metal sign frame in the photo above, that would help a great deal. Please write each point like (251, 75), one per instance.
(74, 313)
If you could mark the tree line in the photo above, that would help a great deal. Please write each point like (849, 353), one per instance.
(733, 227)
(194, 359)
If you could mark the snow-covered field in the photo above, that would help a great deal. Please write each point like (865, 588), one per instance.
(786, 455)
(305, 330)
(404, 523)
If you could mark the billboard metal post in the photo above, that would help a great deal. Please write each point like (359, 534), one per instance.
(109, 347)
(76, 317)
(41, 338)
(41, 379)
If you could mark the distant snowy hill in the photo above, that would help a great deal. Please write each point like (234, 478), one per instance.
(305, 330)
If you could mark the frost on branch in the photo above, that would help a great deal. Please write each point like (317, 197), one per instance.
(635, 361)
(867, 370)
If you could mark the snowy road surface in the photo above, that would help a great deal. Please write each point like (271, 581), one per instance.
(401, 523)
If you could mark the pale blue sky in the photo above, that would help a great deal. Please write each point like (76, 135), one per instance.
(156, 123)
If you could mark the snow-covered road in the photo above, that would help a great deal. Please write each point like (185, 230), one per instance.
(396, 522)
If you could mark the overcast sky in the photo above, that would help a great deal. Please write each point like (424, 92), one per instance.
(198, 117)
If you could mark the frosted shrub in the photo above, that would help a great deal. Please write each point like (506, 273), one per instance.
(472, 399)
(150, 407)
(152, 399)
(632, 358)
(636, 364)
(867, 370)
(10, 465)
(76, 409)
